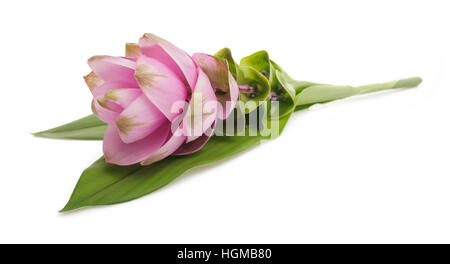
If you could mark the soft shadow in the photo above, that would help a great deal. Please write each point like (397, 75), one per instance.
(203, 168)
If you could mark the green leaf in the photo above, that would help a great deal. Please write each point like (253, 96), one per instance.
(225, 53)
(260, 85)
(302, 107)
(87, 128)
(104, 184)
(298, 86)
(273, 122)
(286, 93)
(281, 84)
(260, 61)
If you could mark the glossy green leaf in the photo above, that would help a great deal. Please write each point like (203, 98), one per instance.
(278, 80)
(302, 107)
(87, 128)
(283, 86)
(225, 53)
(261, 89)
(103, 184)
(260, 61)
(297, 85)
(234, 124)
(286, 93)
(273, 122)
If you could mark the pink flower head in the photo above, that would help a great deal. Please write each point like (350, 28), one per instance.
(158, 100)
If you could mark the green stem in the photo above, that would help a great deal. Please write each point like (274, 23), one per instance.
(323, 93)
(403, 83)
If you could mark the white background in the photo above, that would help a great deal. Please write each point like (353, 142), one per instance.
(370, 169)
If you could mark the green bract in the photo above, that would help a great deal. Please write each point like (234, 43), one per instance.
(282, 87)
(259, 88)
(286, 92)
(260, 61)
(225, 53)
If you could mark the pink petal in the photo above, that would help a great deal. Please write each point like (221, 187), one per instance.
(132, 51)
(105, 87)
(138, 120)
(112, 69)
(117, 152)
(167, 53)
(93, 80)
(122, 96)
(110, 105)
(107, 115)
(196, 145)
(223, 83)
(105, 109)
(166, 150)
(202, 109)
(161, 85)
(234, 94)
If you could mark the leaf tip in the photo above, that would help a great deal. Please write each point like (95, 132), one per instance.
(38, 134)
(67, 208)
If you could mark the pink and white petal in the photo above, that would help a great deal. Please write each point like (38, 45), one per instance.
(107, 86)
(107, 115)
(192, 146)
(234, 94)
(120, 153)
(93, 80)
(166, 150)
(161, 85)
(176, 59)
(132, 51)
(196, 145)
(138, 120)
(112, 69)
(223, 83)
(110, 105)
(202, 109)
(122, 96)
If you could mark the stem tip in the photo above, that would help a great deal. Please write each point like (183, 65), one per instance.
(408, 82)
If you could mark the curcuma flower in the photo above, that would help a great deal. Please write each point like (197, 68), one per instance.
(158, 100)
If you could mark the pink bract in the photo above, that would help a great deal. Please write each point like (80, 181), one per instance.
(158, 101)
